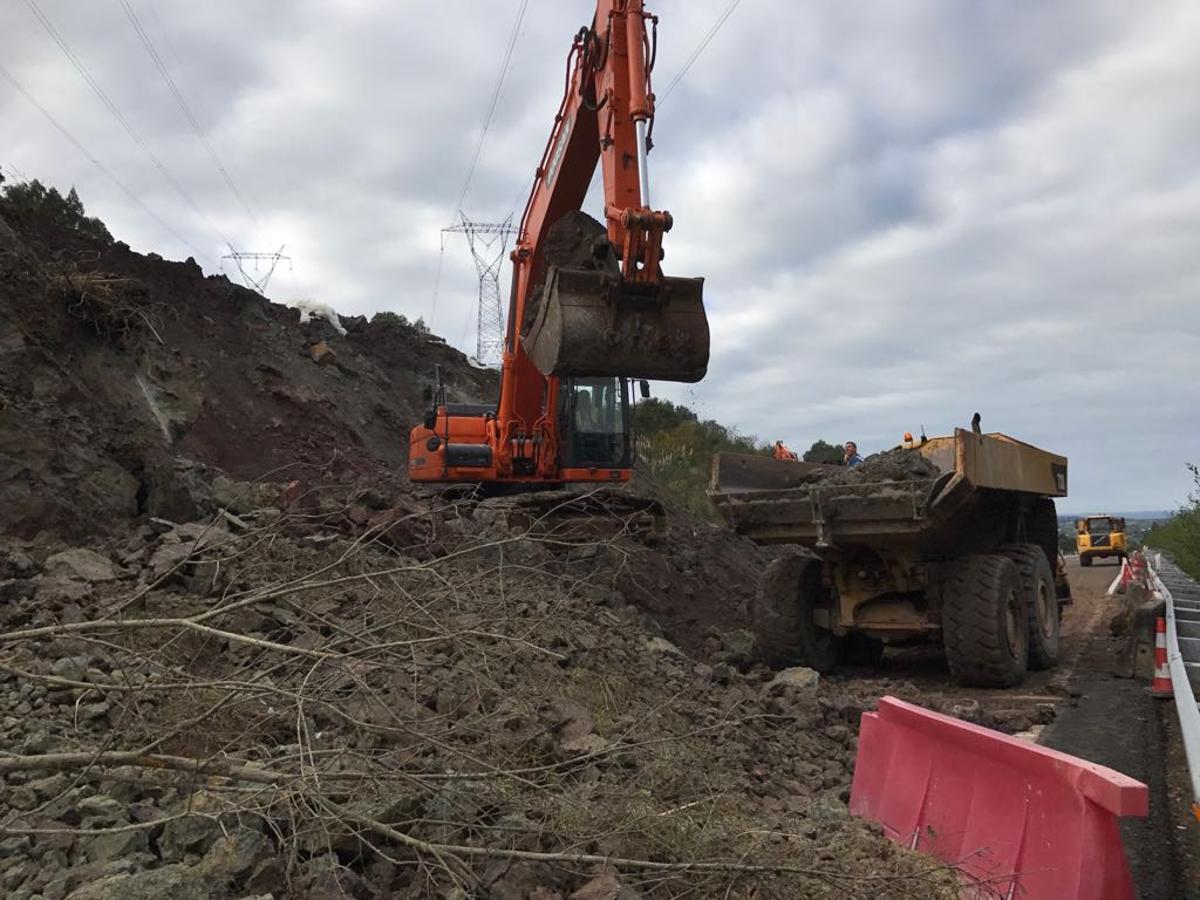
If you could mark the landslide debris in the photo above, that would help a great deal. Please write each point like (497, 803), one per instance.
(316, 683)
(300, 704)
(128, 382)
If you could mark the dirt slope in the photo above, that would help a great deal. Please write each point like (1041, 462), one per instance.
(322, 684)
(122, 376)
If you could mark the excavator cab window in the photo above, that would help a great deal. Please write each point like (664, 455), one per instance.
(594, 422)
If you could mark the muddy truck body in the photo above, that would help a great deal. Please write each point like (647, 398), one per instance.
(961, 548)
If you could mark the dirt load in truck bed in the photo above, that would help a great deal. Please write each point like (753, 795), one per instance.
(900, 464)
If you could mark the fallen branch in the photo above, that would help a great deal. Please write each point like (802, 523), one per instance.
(61, 762)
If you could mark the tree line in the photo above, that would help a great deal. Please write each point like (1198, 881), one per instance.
(675, 447)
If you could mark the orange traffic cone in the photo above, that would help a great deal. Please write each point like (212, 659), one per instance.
(1161, 685)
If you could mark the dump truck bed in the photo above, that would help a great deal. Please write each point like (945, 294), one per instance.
(782, 501)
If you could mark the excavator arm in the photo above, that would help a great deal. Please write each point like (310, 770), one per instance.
(594, 321)
(638, 323)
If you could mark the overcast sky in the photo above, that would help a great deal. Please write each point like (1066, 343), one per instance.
(905, 211)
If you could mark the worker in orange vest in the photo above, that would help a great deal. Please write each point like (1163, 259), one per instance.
(782, 452)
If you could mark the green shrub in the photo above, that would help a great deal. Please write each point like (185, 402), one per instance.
(823, 452)
(1179, 536)
(676, 448)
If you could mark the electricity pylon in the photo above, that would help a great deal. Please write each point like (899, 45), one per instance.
(252, 282)
(488, 241)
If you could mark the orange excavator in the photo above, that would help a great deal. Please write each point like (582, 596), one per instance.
(590, 311)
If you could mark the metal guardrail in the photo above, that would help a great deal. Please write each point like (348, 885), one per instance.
(1183, 655)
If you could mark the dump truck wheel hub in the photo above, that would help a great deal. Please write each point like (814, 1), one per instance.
(1012, 620)
(1047, 610)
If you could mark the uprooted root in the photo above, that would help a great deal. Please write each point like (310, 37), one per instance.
(116, 308)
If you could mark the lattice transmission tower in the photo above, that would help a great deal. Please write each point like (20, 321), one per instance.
(256, 282)
(488, 241)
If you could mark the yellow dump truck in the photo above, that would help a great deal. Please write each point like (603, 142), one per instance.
(963, 550)
(1097, 537)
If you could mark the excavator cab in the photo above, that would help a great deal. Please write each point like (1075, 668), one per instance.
(593, 423)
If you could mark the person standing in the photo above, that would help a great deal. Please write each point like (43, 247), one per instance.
(851, 457)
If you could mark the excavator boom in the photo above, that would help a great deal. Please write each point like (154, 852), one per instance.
(588, 321)
(590, 306)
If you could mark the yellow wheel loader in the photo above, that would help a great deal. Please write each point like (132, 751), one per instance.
(1098, 537)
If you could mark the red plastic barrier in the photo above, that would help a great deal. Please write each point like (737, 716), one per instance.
(1023, 820)
(1126, 575)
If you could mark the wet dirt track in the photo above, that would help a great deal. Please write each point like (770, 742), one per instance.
(920, 674)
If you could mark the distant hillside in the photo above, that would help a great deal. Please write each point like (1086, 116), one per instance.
(1179, 535)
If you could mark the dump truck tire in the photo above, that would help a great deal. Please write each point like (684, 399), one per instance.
(1085, 561)
(1041, 528)
(985, 627)
(781, 616)
(1041, 602)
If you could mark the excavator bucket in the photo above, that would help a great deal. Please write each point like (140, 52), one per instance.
(592, 324)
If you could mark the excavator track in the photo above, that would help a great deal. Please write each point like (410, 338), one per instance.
(569, 513)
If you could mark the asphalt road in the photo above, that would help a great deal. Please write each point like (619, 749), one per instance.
(1115, 722)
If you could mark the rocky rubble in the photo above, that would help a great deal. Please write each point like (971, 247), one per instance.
(320, 691)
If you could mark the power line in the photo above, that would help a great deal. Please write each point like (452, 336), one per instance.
(121, 120)
(20, 88)
(495, 99)
(186, 110)
(14, 170)
(164, 37)
(487, 122)
(712, 32)
(437, 278)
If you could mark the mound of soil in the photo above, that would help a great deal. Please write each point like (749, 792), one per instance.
(294, 702)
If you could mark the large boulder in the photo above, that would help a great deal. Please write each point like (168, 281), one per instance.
(798, 678)
(81, 564)
(175, 881)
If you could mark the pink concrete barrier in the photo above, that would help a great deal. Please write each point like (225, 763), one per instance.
(1025, 821)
